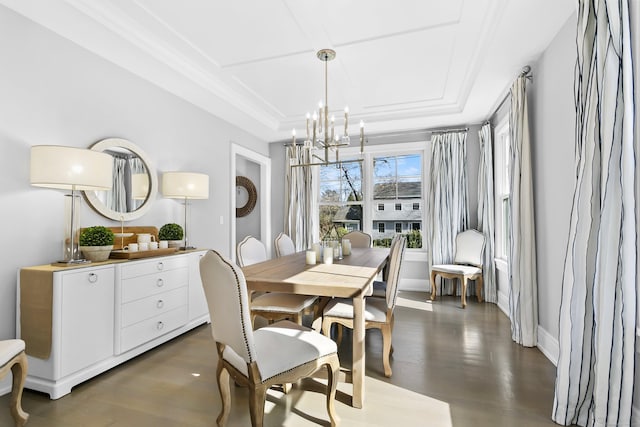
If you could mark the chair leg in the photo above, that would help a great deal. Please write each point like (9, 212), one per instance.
(257, 397)
(225, 393)
(479, 288)
(386, 349)
(333, 369)
(433, 285)
(19, 371)
(463, 297)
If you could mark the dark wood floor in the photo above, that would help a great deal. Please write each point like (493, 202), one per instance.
(451, 368)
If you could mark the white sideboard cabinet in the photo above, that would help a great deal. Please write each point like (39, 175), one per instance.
(81, 321)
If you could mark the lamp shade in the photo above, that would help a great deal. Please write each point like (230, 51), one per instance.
(139, 186)
(185, 185)
(67, 168)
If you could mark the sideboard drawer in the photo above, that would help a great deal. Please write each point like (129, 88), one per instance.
(139, 310)
(152, 284)
(158, 265)
(153, 327)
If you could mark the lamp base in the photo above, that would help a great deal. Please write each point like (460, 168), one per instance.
(71, 262)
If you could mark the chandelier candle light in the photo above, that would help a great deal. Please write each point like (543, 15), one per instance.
(320, 128)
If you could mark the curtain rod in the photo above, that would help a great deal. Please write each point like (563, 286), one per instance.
(449, 130)
(526, 73)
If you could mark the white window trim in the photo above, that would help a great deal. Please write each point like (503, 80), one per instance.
(500, 194)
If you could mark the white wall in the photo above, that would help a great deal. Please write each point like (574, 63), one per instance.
(54, 92)
(552, 114)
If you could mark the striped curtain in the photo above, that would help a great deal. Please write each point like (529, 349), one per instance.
(300, 200)
(595, 373)
(523, 289)
(485, 211)
(447, 209)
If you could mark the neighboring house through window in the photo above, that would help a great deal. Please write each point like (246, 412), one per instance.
(381, 195)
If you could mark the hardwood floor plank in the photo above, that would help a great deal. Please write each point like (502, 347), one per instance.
(451, 368)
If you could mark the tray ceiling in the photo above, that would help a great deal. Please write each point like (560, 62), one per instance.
(407, 64)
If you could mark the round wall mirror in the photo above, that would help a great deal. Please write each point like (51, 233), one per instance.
(135, 182)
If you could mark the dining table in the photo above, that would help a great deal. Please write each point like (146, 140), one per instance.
(349, 277)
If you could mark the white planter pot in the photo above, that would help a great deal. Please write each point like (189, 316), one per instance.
(176, 243)
(96, 253)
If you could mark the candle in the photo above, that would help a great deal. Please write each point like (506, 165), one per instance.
(346, 247)
(318, 250)
(361, 136)
(308, 117)
(315, 119)
(311, 257)
(293, 136)
(328, 255)
(333, 127)
(346, 120)
(320, 122)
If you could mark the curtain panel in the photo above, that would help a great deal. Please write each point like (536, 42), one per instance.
(523, 289)
(597, 334)
(448, 210)
(486, 211)
(300, 222)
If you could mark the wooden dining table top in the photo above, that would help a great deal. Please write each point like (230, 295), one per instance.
(344, 278)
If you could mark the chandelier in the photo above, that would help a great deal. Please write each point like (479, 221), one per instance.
(321, 136)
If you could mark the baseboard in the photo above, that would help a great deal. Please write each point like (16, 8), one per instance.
(548, 345)
(503, 302)
(420, 285)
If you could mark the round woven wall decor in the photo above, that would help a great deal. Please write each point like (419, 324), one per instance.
(244, 182)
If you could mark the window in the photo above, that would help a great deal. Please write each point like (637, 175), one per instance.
(398, 179)
(502, 192)
(381, 195)
(340, 198)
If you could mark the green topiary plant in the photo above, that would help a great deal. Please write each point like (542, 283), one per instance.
(171, 232)
(96, 236)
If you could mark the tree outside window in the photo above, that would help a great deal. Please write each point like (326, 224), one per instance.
(341, 199)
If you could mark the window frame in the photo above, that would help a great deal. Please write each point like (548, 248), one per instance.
(368, 203)
(502, 191)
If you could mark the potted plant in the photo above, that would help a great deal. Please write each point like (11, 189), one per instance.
(96, 243)
(173, 233)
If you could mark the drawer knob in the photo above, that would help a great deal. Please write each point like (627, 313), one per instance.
(159, 325)
(160, 283)
(160, 266)
(93, 277)
(160, 303)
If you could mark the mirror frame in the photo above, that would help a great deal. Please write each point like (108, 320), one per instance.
(97, 204)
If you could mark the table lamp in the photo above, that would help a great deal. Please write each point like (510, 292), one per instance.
(75, 169)
(185, 185)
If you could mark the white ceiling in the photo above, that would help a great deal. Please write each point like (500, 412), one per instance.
(400, 65)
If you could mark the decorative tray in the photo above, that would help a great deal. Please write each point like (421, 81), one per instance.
(120, 254)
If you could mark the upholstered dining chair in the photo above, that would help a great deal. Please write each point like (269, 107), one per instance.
(358, 239)
(14, 359)
(283, 352)
(379, 288)
(378, 311)
(273, 306)
(467, 264)
(284, 245)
